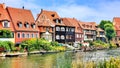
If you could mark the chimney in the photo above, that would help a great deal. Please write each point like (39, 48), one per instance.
(4, 6)
(23, 7)
(41, 10)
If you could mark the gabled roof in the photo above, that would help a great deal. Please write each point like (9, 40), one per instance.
(3, 13)
(116, 20)
(73, 22)
(88, 25)
(4, 16)
(50, 16)
(67, 22)
(21, 15)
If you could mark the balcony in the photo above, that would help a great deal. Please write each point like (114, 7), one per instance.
(90, 33)
(91, 39)
(100, 35)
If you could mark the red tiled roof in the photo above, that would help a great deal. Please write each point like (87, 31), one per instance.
(88, 25)
(67, 22)
(4, 16)
(116, 23)
(51, 16)
(116, 20)
(73, 22)
(21, 15)
(99, 29)
(3, 13)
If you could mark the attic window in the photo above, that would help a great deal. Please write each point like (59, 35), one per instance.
(26, 24)
(19, 24)
(33, 25)
(6, 24)
(53, 15)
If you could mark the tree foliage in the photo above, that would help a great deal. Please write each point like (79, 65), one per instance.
(5, 34)
(110, 33)
(103, 22)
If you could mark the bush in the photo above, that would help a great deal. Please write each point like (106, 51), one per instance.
(99, 43)
(8, 45)
(41, 44)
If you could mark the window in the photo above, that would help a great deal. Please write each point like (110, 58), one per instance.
(19, 24)
(60, 21)
(36, 35)
(62, 29)
(57, 37)
(66, 29)
(77, 36)
(32, 35)
(18, 35)
(23, 35)
(27, 36)
(62, 37)
(56, 20)
(67, 37)
(47, 29)
(6, 24)
(33, 26)
(26, 25)
(72, 29)
(57, 28)
(53, 15)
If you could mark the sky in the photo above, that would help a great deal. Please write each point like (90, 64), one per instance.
(83, 10)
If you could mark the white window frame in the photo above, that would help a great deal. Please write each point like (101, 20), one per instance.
(22, 35)
(8, 24)
(57, 37)
(62, 37)
(62, 28)
(57, 28)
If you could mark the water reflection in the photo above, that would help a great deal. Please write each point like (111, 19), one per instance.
(59, 60)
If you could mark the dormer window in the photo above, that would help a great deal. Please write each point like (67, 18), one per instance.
(60, 21)
(26, 25)
(6, 24)
(19, 24)
(53, 15)
(56, 20)
(33, 25)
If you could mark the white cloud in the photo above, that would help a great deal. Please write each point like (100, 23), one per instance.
(104, 10)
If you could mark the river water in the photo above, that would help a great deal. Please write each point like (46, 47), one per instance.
(57, 60)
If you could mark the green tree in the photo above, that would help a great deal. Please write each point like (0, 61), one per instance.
(5, 34)
(103, 22)
(110, 32)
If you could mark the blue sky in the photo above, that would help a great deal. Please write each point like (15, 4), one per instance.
(83, 10)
